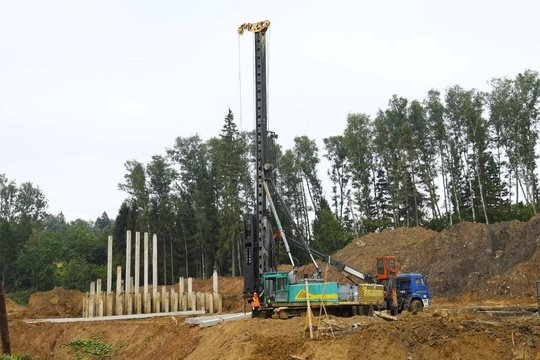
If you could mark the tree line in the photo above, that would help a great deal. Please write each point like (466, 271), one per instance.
(457, 155)
(38, 250)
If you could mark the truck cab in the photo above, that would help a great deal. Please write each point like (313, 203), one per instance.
(413, 292)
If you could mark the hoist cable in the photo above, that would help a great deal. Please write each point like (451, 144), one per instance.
(267, 53)
(240, 81)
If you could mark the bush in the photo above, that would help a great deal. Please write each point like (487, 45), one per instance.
(78, 273)
(93, 347)
(21, 297)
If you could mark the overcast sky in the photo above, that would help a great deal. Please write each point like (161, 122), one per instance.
(87, 85)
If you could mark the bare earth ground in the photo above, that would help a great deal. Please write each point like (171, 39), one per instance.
(443, 332)
(471, 268)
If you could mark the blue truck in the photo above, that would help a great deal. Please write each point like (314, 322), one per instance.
(406, 291)
(413, 292)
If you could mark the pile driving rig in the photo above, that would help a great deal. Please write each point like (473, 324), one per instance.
(281, 289)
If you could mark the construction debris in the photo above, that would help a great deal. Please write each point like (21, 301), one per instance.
(207, 321)
(384, 315)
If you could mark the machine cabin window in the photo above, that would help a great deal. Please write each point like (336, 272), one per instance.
(380, 266)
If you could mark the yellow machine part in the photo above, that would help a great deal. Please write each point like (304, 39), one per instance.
(370, 294)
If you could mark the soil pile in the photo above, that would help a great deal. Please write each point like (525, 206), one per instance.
(12, 306)
(484, 261)
(13, 309)
(479, 261)
(230, 288)
(58, 302)
(360, 253)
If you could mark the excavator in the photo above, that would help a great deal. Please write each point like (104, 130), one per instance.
(281, 292)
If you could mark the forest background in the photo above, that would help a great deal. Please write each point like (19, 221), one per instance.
(459, 155)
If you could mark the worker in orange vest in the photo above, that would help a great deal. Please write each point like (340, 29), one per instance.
(255, 305)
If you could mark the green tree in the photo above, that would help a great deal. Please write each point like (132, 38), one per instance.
(290, 187)
(103, 223)
(339, 174)
(306, 157)
(526, 93)
(502, 107)
(422, 152)
(126, 219)
(435, 121)
(358, 140)
(231, 168)
(136, 187)
(161, 176)
(83, 242)
(393, 144)
(469, 131)
(198, 182)
(36, 263)
(8, 198)
(30, 203)
(329, 236)
(8, 250)
(77, 273)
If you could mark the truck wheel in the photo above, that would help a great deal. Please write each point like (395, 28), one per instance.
(416, 306)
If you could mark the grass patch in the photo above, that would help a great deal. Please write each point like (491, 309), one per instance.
(15, 357)
(93, 348)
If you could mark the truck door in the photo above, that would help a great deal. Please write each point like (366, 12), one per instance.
(421, 290)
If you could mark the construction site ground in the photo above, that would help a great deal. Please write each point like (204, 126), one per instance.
(482, 279)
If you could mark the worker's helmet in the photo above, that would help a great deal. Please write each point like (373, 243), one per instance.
(254, 293)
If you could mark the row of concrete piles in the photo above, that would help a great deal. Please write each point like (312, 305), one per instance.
(128, 298)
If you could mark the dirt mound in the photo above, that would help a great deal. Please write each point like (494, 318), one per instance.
(516, 283)
(230, 288)
(478, 258)
(360, 253)
(14, 310)
(12, 306)
(478, 261)
(58, 302)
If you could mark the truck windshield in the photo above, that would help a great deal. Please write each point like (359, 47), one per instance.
(403, 283)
